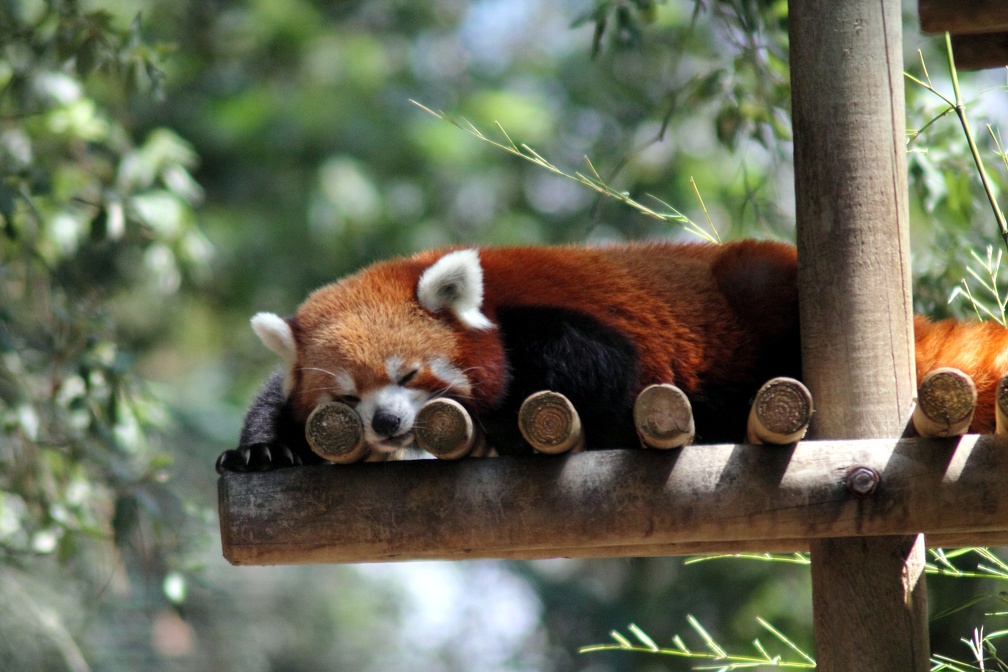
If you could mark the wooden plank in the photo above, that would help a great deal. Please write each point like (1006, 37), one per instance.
(952, 16)
(869, 599)
(978, 52)
(699, 499)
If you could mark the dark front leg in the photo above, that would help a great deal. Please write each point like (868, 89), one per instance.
(270, 437)
(564, 351)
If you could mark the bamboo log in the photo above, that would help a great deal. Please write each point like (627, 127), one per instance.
(335, 433)
(711, 498)
(946, 401)
(550, 423)
(780, 414)
(663, 417)
(445, 429)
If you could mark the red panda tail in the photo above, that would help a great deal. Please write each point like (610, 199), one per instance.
(979, 349)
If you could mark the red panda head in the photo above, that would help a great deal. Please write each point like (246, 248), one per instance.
(387, 340)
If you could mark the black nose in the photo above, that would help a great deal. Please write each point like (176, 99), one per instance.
(385, 423)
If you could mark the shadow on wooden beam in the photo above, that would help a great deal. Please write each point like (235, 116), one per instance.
(619, 503)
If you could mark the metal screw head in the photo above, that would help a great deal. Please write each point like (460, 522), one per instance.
(862, 481)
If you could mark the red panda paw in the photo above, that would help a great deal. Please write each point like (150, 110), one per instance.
(257, 457)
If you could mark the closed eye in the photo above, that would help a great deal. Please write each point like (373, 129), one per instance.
(348, 399)
(408, 377)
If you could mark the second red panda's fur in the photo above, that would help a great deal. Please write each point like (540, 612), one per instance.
(978, 349)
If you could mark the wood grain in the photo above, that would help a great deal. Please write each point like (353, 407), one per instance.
(957, 17)
(780, 413)
(946, 402)
(663, 417)
(869, 599)
(550, 423)
(599, 503)
(445, 429)
(982, 51)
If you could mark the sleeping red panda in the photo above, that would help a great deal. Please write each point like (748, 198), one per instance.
(488, 327)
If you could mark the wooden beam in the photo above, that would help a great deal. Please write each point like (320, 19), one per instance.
(869, 600)
(978, 52)
(957, 17)
(699, 499)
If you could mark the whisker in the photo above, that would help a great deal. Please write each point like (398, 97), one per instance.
(315, 368)
(326, 389)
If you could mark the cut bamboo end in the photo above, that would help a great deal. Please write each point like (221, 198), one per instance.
(663, 417)
(946, 401)
(1001, 407)
(780, 414)
(550, 423)
(335, 433)
(445, 430)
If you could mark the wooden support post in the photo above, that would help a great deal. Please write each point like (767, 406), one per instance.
(869, 598)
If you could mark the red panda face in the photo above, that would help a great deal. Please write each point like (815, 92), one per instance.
(384, 359)
(384, 341)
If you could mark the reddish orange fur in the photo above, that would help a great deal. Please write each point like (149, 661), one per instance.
(655, 294)
(979, 349)
(727, 310)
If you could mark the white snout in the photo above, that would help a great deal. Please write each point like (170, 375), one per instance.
(386, 403)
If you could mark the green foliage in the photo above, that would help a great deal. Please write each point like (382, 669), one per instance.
(954, 196)
(593, 181)
(627, 16)
(716, 657)
(93, 226)
(984, 655)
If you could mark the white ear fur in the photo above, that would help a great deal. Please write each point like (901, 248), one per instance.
(276, 334)
(455, 282)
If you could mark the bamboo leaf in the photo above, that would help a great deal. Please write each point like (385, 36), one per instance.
(643, 637)
(708, 640)
(783, 638)
(621, 640)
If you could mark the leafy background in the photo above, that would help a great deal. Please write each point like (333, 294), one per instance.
(168, 168)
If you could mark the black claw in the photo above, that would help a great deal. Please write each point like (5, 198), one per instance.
(264, 459)
(229, 460)
(287, 456)
(258, 457)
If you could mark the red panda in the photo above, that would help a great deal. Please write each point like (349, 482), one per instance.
(489, 326)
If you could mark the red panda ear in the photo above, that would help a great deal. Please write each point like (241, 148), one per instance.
(277, 335)
(455, 282)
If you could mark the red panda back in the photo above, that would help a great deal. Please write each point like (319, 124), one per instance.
(700, 316)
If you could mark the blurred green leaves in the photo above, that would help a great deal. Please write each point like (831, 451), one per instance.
(88, 217)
